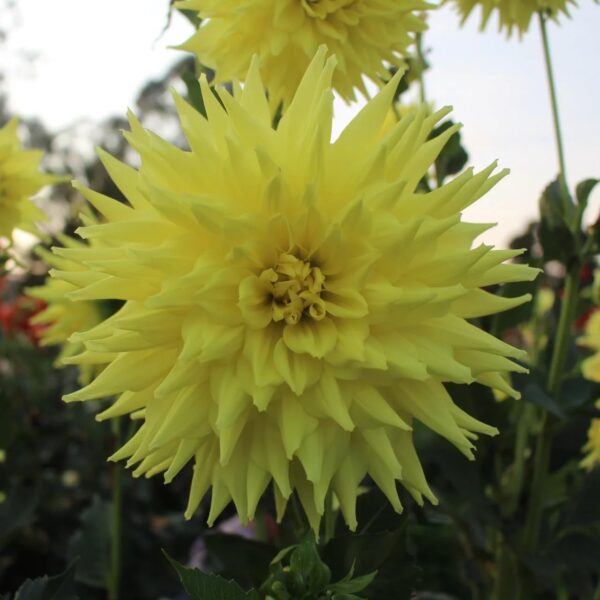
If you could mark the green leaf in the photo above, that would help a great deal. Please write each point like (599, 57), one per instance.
(453, 156)
(520, 314)
(204, 586)
(367, 551)
(60, 587)
(534, 393)
(585, 509)
(91, 545)
(18, 510)
(384, 553)
(348, 585)
(246, 561)
(191, 16)
(584, 189)
(194, 93)
(556, 236)
(577, 393)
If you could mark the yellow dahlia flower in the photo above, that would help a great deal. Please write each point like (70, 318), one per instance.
(63, 317)
(19, 180)
(292, 304)
(365, 35)
(512, 14)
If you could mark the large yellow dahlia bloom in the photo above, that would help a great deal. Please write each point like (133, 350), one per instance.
(63, 318)
(285, 34)
(20, 179)
(292, 304)
(512, 14)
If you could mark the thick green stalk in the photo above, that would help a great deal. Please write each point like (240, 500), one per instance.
(544, 440)
(114, 580)
(505, 581)
(514, 486)
(567, 315)
(555, 114)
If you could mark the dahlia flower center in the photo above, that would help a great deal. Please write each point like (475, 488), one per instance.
(296, 288)
(321, 9)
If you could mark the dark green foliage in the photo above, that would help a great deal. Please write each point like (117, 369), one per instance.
(90, 545)
(453, 157)
(60, 587)
(556, 235)
(299, 573)
(204, 586)
(235, 557)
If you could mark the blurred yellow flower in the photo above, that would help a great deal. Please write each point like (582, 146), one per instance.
(512, 14)
(591, 370)
(591, 339)
(365, 35)
(292, 304)
(63, 317)
(592, 447)
(20, 179)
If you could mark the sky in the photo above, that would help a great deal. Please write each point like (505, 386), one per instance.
(94, 58)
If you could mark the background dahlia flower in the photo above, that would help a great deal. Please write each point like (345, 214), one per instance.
(512, 14)
(592, 446)
(19, 180)
(365, 35)
(63, 317)
(591, 339)
(591, 370)
(292, 305)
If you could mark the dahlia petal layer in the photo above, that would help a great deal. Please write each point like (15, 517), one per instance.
(292, 304)
(62, 317)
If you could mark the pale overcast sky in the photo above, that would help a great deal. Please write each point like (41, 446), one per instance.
(95, 56)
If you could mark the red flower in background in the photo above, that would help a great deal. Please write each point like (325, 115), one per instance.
(15, 316)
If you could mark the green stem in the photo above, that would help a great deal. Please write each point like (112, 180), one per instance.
(505, 581)
(544, 440)
(298, 520)
(514, 487)
(114, 580)
(567, 315)
(555, 114)
(421, 67)
(329, 518)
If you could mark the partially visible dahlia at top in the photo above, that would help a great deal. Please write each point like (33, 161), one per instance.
(365, 35)
(292, 304)
(512, 14)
